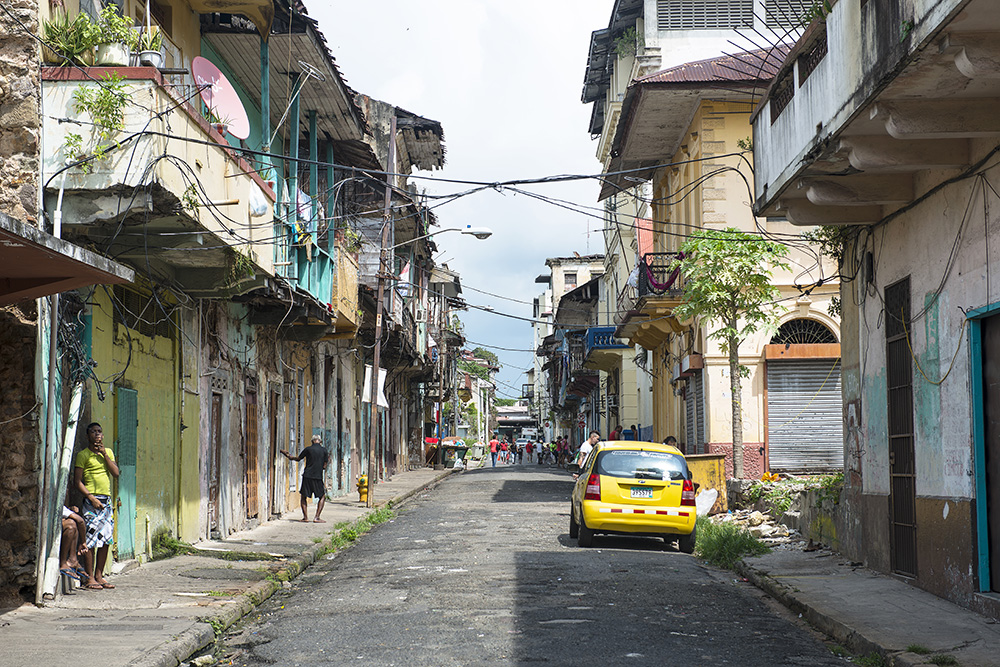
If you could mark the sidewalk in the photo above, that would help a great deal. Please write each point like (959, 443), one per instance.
(866, 611)
(162, 612)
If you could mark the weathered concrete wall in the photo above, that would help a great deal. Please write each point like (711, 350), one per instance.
(19, 443)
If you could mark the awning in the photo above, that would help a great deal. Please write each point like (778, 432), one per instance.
(34, 264)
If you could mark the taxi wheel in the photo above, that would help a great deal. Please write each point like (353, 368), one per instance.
(586, 535)
(686, 542)
(574, 527)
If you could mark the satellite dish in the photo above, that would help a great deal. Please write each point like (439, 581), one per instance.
(220, 97)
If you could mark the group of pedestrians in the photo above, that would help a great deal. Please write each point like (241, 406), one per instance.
(506, 452)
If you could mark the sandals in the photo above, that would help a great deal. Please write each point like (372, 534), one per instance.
(70, 572)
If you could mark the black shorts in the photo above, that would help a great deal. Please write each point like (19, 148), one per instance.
(312, 488)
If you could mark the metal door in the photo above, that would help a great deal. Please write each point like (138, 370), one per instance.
(126, 431)
(214, 465)
(251, 472)
(340, 432)
(805, 423)
(991, 422)
(694, 404)
(902, 460)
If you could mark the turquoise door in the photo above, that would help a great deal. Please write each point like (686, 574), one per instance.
(125, 446)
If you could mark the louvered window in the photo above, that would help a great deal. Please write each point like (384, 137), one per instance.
(141, 313)
(704, 14)
(781, 15)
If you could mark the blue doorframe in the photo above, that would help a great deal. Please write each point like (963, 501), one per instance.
(976, 318)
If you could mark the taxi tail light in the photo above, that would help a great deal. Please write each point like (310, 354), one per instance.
(687, 493)
(593, 487)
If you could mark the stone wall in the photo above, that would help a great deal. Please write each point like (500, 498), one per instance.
(19, 112)
(19, 440)
(19, 411)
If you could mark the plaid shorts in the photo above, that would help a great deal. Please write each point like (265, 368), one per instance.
(100, 523)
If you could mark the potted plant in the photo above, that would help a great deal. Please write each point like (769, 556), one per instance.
(150, 42)
(116, 40)
(69, 42)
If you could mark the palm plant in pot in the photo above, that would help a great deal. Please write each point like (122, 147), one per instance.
(116, 38)
(69, 42)
(150, 42)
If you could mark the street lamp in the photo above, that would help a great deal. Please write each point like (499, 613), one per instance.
(384, 250)
(479, 232)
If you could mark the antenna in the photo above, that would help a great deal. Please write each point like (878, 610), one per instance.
(308, 72)
(220, 97)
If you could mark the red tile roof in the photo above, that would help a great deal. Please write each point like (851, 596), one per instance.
(750, 66)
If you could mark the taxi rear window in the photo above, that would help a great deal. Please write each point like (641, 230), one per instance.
(641, 465)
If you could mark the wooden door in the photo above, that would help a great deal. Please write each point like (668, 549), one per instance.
(250, 469)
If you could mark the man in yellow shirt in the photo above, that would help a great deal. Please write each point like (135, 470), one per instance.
(94, 468)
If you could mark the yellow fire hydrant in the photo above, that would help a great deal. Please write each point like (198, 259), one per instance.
(363, 488)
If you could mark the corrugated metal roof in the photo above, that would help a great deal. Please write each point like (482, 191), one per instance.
(751, 66)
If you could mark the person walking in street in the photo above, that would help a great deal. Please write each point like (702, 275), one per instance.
(93, 469)
(494, 446)
(313, 486)
(585, 449)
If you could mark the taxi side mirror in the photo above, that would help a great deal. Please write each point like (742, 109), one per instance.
(573, 468)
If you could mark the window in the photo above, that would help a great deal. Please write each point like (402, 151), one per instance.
(570, 279)
(704, 14)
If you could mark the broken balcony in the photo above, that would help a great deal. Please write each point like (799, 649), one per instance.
(165, 192)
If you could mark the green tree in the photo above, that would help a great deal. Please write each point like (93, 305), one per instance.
(486, 355)
(505, 402)
(727, 281)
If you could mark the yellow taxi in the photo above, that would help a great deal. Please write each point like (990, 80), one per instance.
(634, 488)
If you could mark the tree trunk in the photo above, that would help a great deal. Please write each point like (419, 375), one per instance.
(737, 401)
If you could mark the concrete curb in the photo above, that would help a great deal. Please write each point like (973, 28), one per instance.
(838, 630)
(180, 648)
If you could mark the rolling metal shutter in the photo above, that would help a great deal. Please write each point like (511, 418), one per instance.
(694, 406)
(805, 426)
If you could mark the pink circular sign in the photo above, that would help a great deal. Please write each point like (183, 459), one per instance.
(220, 97)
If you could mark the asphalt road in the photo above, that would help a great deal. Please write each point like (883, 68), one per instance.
(481, 570)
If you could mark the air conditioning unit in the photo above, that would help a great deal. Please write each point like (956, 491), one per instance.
(612, 400)
(420, 315)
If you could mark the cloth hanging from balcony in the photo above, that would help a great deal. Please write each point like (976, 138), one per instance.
(663, 287)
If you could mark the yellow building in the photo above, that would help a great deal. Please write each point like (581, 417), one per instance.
(689, 135)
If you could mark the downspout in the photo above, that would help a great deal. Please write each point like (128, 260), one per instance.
(44, 497)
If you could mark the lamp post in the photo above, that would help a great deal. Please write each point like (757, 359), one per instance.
(384, 250)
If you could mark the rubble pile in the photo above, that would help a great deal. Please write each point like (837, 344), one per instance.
(762, 526)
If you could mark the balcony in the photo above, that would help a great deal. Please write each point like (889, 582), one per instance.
(602, 349)
(344, 293)
(166, 192)
(645, 310)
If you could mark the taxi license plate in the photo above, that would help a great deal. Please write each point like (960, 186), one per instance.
(642, 492)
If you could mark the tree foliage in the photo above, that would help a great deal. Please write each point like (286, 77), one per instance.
(727, 282)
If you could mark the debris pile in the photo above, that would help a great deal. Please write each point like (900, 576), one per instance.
(762, 526)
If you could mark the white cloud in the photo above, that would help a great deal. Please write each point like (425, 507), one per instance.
(504, 78)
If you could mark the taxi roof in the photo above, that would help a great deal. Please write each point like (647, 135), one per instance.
(637, 445)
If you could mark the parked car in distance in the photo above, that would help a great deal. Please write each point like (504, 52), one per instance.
(634, 488)
(521, 443)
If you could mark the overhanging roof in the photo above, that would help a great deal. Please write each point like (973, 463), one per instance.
(34, 264)
(658, 108)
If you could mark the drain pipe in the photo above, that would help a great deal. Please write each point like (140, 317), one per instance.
(45, 500)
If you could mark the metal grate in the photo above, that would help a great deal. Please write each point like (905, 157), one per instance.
(811, 59)
(902, 459)
(704, 14)
(781, 95)
(803, 331)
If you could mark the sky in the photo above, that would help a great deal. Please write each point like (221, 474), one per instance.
(504, 78)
